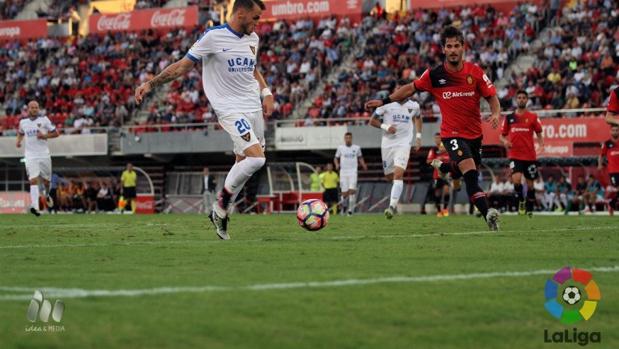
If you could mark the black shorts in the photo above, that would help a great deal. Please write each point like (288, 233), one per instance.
(614, 179)
(129, 192)
(330, 195)
(461, 149)
(528, 168)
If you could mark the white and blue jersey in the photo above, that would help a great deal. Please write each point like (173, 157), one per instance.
(29, 127)
(401, 117)
(228, 61)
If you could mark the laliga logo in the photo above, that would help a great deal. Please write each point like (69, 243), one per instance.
(119, 22)
(572, 296)
(174, 18)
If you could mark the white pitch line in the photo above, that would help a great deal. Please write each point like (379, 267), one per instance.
(67, 293)
(319, 238)
(75, 225)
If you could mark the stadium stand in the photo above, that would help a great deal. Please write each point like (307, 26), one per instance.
(404, 47)
(577, 65)
(10, 8)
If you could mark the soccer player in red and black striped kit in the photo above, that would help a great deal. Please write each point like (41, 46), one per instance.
(610, 148)
(458, 87)
(517, 137)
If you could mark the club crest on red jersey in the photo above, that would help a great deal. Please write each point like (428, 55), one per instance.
(469, 79)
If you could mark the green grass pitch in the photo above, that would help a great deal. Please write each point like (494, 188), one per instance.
(166, 281)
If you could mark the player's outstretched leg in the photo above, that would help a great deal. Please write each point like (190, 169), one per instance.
(479, 199)
(34, 197)
(236, 178)
(396, 192)
(530, 201)
(518, 192)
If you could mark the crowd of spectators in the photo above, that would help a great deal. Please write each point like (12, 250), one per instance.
(402, 48)
(91, 78)
(576, 67)
(555, 193)
(10, 8)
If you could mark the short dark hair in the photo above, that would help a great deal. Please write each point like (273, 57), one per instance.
(348, 134)
(451, 32)
(522, 92)
(247, 4)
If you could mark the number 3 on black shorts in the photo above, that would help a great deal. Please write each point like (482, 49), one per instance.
(454, 144)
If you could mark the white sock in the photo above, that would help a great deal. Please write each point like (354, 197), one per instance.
(352, 200)
(241, 172)
(237, 177)
(396, 191)
(34, 196)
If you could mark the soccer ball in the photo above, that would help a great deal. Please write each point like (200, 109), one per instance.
(313, 214)
(571, 295)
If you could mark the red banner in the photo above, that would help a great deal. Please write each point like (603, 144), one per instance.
(14, 202)
(294, 9)
(555, 149)
(572, 130)
(158, 18)
(145, 204)
(16, 30)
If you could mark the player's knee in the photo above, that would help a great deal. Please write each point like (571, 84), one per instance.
(256, 163)
(467, 165)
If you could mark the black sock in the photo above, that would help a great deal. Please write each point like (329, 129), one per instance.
(445, 201)
(518, 193)
(530, 199)
(476, 194)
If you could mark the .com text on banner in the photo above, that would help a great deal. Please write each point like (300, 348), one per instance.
(293, 9)
(574, 130)
(158, 18)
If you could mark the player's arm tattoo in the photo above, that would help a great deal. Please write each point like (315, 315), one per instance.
(374, 121)
(171, 72)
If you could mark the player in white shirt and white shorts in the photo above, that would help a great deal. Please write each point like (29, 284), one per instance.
(228, 55)
(396, 120)
(347, 158)
(36, 130)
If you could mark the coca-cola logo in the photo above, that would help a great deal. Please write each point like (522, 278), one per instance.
(10, 31)
(118, 22)
(174, 18)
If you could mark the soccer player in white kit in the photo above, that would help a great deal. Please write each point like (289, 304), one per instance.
(396, 120)
(228, 55)
(36, 129)
(347, 159)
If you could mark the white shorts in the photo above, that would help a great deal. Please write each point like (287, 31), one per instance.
(39, 167)
(245, 130)
(395, 156)
(348, 182)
